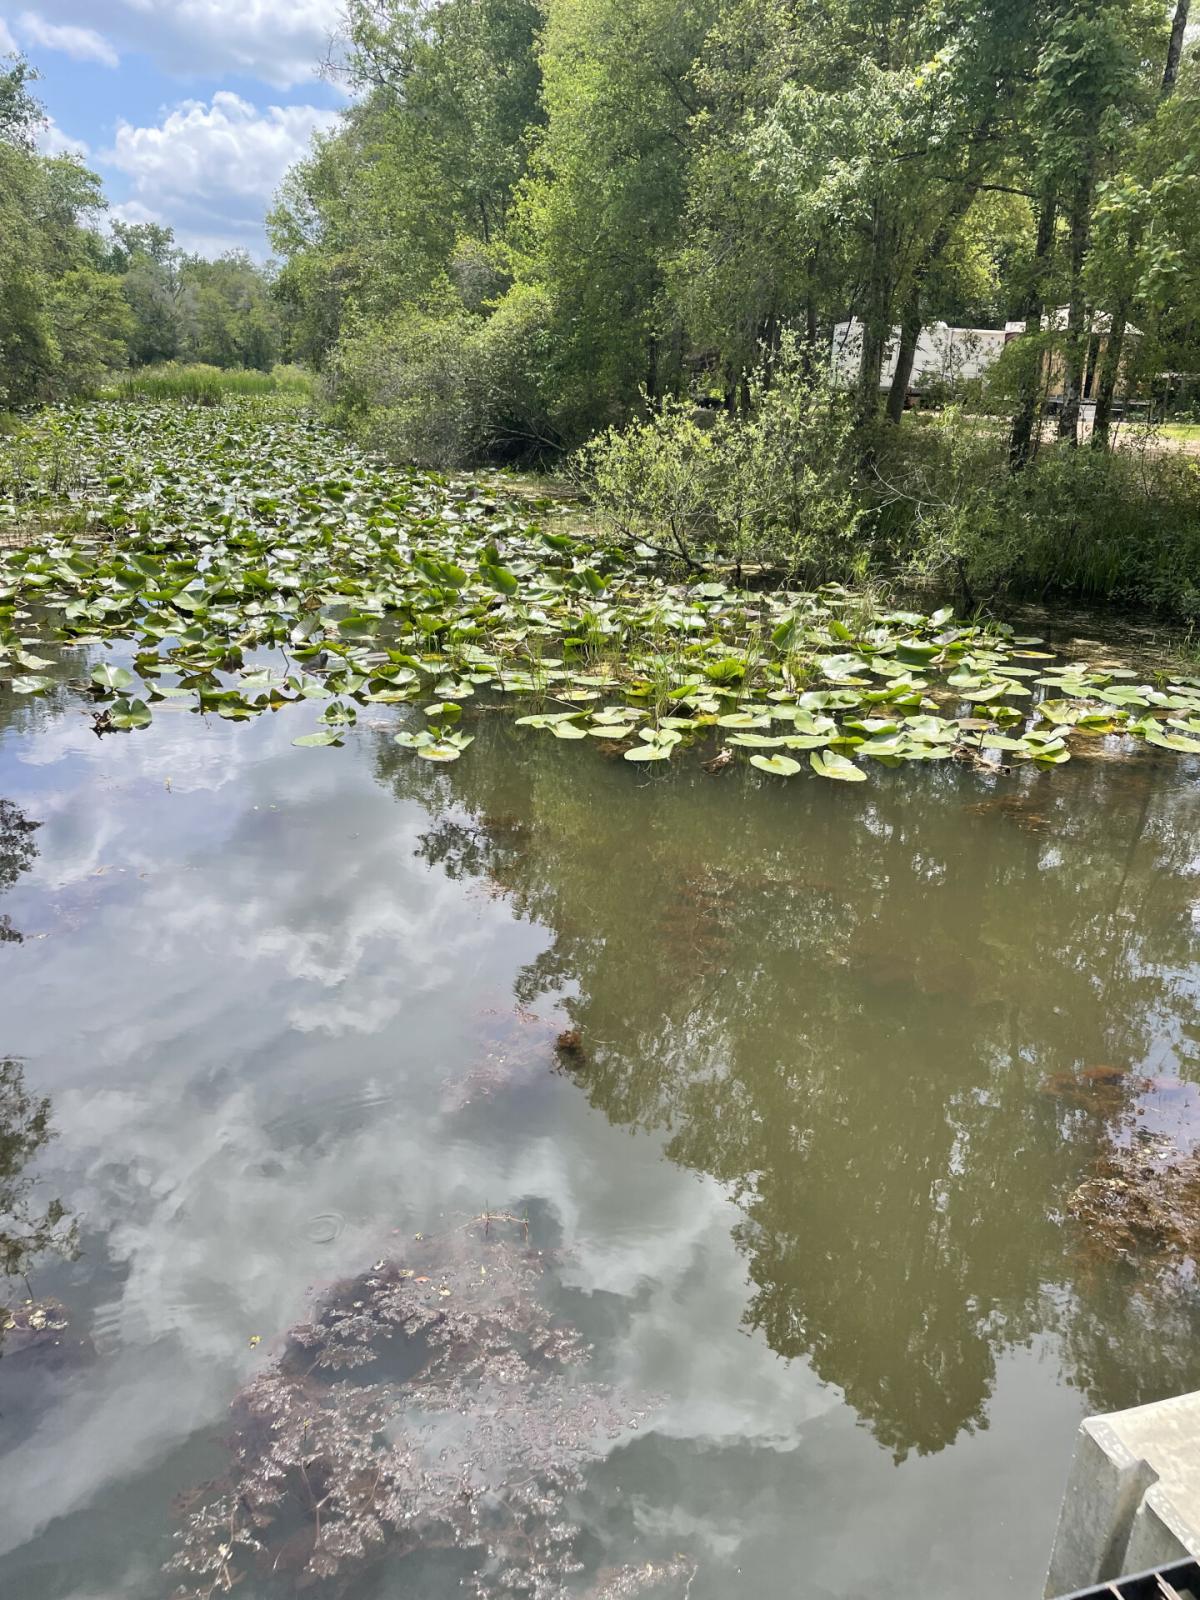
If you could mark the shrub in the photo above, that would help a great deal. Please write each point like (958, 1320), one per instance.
(449, 388)
(1120, 525)
(773, 486)
(401, 386)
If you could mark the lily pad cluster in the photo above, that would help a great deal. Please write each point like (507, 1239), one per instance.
(247, 558)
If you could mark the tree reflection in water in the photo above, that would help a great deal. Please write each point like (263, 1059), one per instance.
(17, 853)
(28, 1227)
(858, 1011)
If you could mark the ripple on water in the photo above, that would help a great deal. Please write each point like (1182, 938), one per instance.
(325, 1227)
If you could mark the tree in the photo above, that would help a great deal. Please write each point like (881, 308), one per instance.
(1133, 206)
(603, 207)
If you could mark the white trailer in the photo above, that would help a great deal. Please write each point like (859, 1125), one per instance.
(944, 355)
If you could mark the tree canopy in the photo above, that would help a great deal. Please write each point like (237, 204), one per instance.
(599, 204)
(78, 302)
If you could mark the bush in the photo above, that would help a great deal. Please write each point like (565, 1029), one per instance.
(1120, 525)
(401, 387)
(774, 486)
(449, 389)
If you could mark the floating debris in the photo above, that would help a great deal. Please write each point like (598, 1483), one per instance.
(1142, 1204)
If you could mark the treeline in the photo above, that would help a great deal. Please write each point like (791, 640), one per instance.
(78, 303)
(539, 215)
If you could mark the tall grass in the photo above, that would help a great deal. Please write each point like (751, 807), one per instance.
(207, 386)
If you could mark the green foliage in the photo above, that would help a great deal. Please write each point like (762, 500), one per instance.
(208, 385)
(642, 196)
(59, 324)
(1119, 526)
(772, 486)
(444, 390)
(91, 323)
(317, 575)
(76, 307)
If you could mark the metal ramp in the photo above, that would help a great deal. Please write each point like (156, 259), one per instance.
(1179, 1581)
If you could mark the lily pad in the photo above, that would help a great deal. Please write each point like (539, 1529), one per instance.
(828, 764)
(781, 766)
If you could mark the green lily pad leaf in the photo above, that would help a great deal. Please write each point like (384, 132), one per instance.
(935, 729)
(781, 766)
(992, 691)
(819, 699)
(499, 578)
(324, 736)
(106, 676)
(1175, 741)
(648, 752)
(444, 749)
(1125, 695)
(1001, 741)
(31, 683)
(1063, 712)
(828, 764)
(916, 652)
(891, 747)
(130, 714)
(843, 669)
(743, 719)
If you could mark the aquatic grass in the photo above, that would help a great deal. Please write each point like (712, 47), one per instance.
(198, 384)
(482, 1447)
(199, 544)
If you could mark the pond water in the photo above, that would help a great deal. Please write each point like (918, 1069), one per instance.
(807, 1168)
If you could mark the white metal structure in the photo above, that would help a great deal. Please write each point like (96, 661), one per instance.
(944, 354)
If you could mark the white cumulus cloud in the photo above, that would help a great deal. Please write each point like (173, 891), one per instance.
(212, 168)
(52, 141)
(283, 42)
(80, 43)
(8, 45)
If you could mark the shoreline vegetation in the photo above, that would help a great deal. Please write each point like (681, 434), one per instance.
(620, 244)
(249, 558)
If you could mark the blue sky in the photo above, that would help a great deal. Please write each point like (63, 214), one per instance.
(190, 110)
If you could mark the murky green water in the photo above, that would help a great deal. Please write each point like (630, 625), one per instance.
(808, 1174)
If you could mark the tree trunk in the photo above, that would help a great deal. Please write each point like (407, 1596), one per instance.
(1175, 48)
(808, 350)
(910, 320)
(876, 321)
(1075, 349)
(1110, 370)
(1020, 444)
(910, 332)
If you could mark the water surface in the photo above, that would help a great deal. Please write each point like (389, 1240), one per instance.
(808, 1171)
